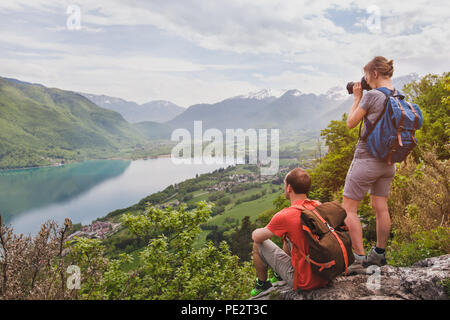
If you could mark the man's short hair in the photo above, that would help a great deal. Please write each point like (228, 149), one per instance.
(299, 180)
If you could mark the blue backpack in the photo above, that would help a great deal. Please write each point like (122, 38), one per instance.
(392, 136)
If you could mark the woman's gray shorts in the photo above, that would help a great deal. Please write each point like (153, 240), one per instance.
(371, 175)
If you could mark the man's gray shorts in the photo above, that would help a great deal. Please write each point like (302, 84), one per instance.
(280, 262)
(371, 175)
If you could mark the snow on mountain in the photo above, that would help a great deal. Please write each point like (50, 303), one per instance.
(293, 92)
(259, 95)
(262, 94)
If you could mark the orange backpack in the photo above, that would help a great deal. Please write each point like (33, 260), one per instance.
(330, 247)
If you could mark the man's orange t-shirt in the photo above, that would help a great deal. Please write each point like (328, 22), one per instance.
(287, 223)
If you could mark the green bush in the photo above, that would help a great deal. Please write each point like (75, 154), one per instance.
(168, 267)
(425, 244)
(432, 93)
(223, 201)
(420, 195)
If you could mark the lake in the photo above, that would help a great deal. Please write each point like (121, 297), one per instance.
(85, 191)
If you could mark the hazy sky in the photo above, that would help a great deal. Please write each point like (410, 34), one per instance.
(202, 51)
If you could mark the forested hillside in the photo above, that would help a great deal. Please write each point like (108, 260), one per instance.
(40, 126)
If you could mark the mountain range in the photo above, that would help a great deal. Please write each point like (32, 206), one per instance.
(292, 110)
(38, 124)
(156, 111)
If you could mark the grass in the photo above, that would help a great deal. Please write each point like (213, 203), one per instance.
(200, 196)
(251, 208)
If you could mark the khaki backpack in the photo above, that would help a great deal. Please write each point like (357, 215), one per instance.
(330, 247)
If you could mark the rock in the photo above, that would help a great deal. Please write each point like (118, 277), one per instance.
(421, 281)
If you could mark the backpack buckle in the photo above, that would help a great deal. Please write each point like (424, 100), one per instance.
(330, 227)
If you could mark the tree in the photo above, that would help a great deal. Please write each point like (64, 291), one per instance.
(34, 268)
(432, 95)
(241, 240)
(172, 269)
(329, 175)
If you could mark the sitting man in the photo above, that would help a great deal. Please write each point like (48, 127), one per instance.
(288, 264)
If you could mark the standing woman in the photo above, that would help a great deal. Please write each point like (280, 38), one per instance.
(367, 173)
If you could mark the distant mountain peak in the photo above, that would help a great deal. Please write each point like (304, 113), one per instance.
(293, 92)
(157, 110)
(259, 94)
(162, 103)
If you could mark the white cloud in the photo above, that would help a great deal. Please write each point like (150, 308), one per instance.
(317, 82)
(296, 33)
(135, 78)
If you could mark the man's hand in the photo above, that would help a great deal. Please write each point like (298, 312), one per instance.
(261, 235)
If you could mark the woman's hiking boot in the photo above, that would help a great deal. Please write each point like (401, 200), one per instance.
(260, 286)
(374, 258)
(357, 267)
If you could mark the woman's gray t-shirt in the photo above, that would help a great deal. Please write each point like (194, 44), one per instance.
(373, 103)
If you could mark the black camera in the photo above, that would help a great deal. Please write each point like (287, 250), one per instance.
(364, 85)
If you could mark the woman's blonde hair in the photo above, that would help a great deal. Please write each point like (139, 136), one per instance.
(383, 66)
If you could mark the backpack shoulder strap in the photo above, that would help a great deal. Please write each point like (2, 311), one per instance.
(302, 207)
(387, 92)
(371, 126)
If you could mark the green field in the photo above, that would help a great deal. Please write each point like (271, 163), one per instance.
(250, 208)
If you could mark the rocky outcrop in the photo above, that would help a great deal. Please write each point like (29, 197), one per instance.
(422, 281)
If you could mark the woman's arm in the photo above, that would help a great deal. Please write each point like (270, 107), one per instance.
(356, 113)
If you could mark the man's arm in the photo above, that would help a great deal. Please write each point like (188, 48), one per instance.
(262, 234)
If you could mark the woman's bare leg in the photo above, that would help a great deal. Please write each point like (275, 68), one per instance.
(354, 224)
(380, 206)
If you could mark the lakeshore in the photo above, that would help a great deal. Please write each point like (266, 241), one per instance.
(86, 190)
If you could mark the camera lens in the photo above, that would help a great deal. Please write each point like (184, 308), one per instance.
(350, 87)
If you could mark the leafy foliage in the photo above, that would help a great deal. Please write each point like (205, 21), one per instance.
(424, 244)
(172, 269)
(420, 195)
(329, 174)
(34, 268)
(432, 95)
